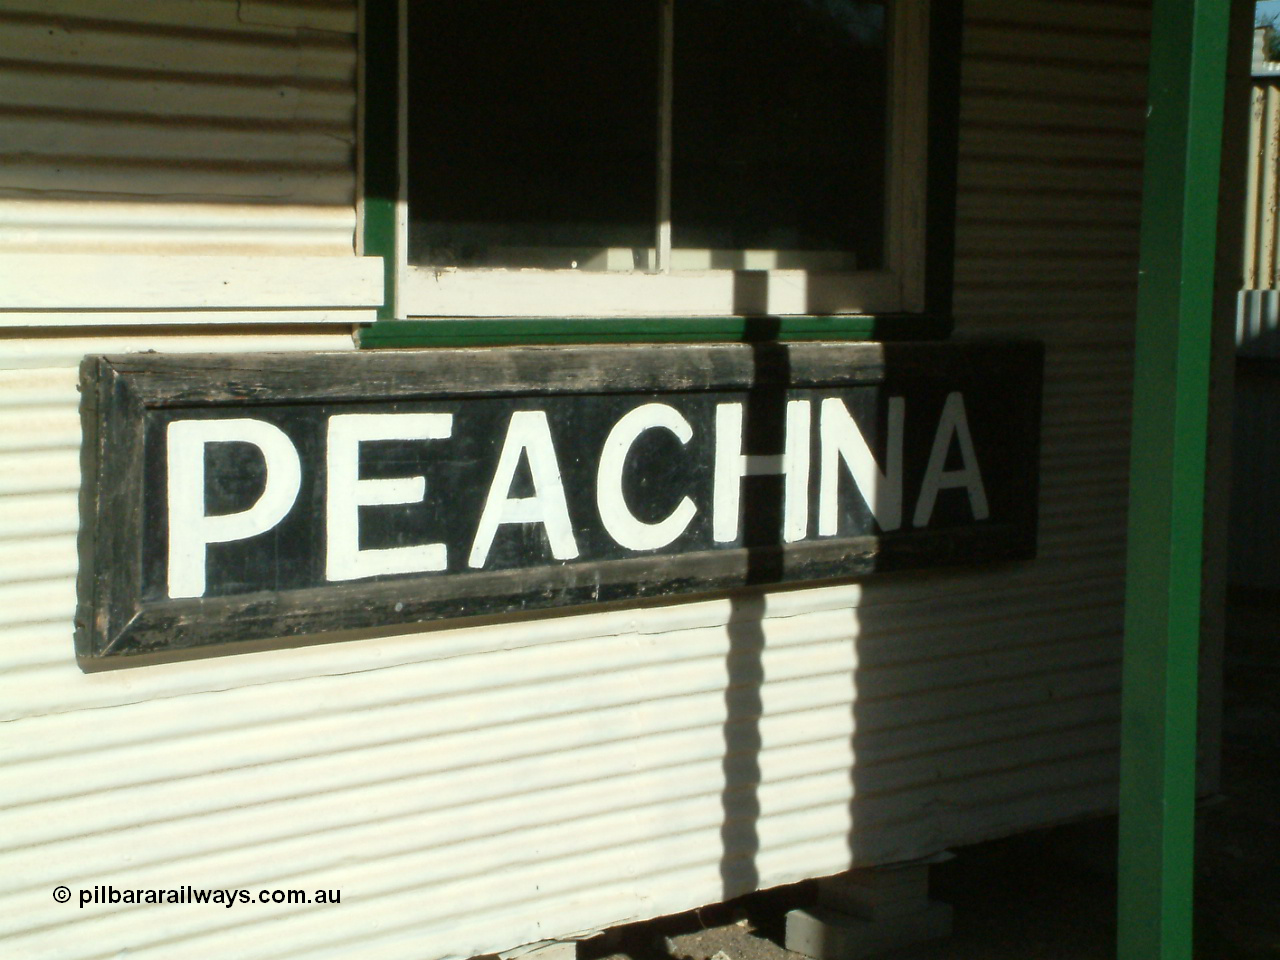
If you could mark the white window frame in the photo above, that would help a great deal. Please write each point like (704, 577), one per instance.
(424, 292)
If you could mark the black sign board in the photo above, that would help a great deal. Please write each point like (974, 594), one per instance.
(241, 497)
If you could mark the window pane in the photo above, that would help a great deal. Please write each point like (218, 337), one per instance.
(532, 133)
(780, 133)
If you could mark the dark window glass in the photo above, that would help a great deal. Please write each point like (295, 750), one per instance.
(532, 131)
(779, 129)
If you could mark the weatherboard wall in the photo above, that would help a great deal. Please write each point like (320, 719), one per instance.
(473, 788)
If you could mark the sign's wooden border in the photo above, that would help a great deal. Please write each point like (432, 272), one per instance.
(118, 392)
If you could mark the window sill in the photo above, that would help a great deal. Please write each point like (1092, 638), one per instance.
(495, 292)
(237, 289)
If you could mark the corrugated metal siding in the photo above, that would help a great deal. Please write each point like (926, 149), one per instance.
(210, 126)
(1050, 192)
(1050, 186)
(473, 789)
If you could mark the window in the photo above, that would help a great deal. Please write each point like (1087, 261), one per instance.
(578, 158)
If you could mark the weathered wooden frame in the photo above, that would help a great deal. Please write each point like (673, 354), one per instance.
(118, 391)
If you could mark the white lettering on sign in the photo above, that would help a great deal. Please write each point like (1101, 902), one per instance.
(623, 525)
(842, 440)
(953, 423)
(731, 466)
(346, 493)
(528, 436)
(190, 529)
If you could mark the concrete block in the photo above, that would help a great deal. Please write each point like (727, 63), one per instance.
(826, 934)
(543, 950)
(878, 893)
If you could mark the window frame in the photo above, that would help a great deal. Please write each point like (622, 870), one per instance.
(436, 293)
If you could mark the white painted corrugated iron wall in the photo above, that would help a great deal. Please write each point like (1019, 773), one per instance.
(1050, 193)
(473, 789)
(182, 126)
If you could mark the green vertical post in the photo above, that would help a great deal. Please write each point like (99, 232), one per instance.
(1167, 479)
(380, 141)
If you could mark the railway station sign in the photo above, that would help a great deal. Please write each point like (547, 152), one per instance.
(241, 497)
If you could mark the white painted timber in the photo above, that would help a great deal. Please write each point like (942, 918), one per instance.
(450, 292)
(79, 282)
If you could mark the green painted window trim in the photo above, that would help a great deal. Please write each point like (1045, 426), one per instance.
(380, 123)
(509, 332)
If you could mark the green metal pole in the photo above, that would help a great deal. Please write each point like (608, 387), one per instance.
(1167, 478)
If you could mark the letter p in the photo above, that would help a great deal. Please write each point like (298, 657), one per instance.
(190, 529)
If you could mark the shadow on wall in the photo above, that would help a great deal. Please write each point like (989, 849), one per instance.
(973, 702)
(1254, 532)
(1254, 537)
(764, 431)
